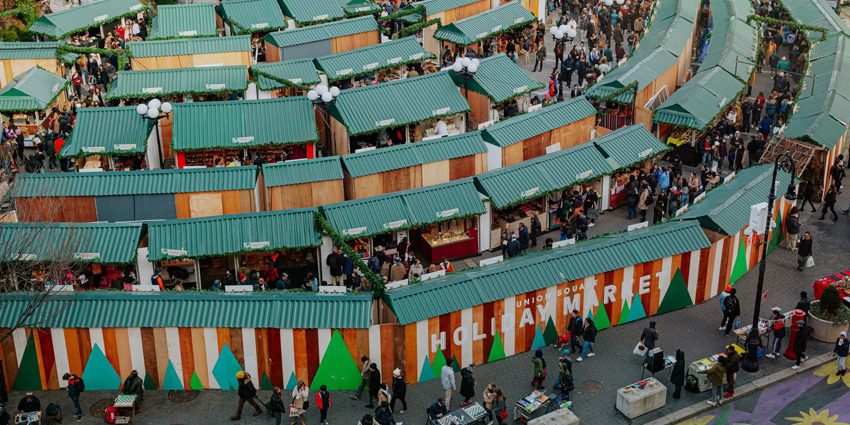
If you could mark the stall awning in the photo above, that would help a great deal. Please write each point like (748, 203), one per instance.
(405, 209)
(31, 91)
(67, 243)
(699, 102)
(829, 68)
(629, 146)
(459, 291)
(821, 119)
(433, 7)
(147, 182)
(411, 154)
(359, 7)
(180, 81)
(642, 67)
(321, 32)
(726, 209)
(302, 171)
(372, 108)
(127, 135)
(249, 16)
(686, 9)
(484, 25)
(817, 13)
(312, 11)
(22, 50)
(279, 75)
(536, 177)
(498, 78)
(184, 20)
(195, 46)
(60, 24)
(232, 234)
(243, 123)
(371, 59)
(195, 309)
(733, 46)
(519, 128)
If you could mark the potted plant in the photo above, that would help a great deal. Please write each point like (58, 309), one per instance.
(828, 316)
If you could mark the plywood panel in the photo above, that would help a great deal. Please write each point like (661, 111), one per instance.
(246, 201)
(122, 342)
(226, 59)
(398, 180)
(182, 202)
(272, 53)
(205, 204)
(480, 105)
(461, 167)
(512, 154)
(367, 186)
(355, 41)
(200, 360)
(161, 350)
(339, 134)
(436, 173)
(187, 61)
(165, 126)
(143, 64)
(326, 192)
(293, 196)
(168, 62)
(535, 146)
(149, 349)
(56, 210)
(230, 202)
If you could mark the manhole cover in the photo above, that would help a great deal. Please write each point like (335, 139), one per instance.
(183, 396)
(98, 409)
(591, 386)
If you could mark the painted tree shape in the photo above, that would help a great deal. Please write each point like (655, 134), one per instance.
(438, 363)
(266, 383)
(550, 335)
(538, 341)
(637, 312)
(28, 377)
(677, 295)
(601, 320)
(149, 382)
(776, 237)
(171, 381)
(196, 383)
(455, 364)
(624, 314)
(337, 369)
(292, 382)
(99, 373)
(497, 351)
(427, 372)
(226, 368)
(741, 263)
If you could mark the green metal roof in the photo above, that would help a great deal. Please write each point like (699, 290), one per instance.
(57, 25)
(829, 70)
(405, 209)
(302, 171)
(629, 146)
(817, 13)
(359, 7)
(195, 46)
(827, 47)
(686, 9)
(498, 78)
(95, 309)
(312, 11)
(536, 177)
(243, 123)
(278, 75)
(127, 135)
(169, 82)
(326, 31)
(458, 291)
(100, 243)
(821, 119)
(483, 25)
(433, 7)
(407, 155)
(516, 129)
(697, 103)
(29, 50)
(370, 59)
(733, 46)
(642, 67)
(185, 20)
(373, 108)
(726, 209)
(249, 16)
(233, 234)
(149, 182)
(33, 90)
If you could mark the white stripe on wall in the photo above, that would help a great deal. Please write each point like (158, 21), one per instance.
(375, 345)
(172, 344)
(693, 275)
(137, 353)
(287, 355)
(466, 346)
(19, 337)
(96, 337)
(249, 351)
(211, 351)
(508, 338)
(60, 353)
(422, 345)
(552, 306)
(715, 273)
(666, 277)
(324, 342)
(626, 289)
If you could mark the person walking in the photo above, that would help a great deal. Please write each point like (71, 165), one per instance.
(364, 380)
(536, 229)
(589, 335)
(383, 414)
(804, 304)
(374, 384)
(643, 200)
(76, 386)
(804, 251)
(323, 403)
(134, 385)
(808, 192)
(399, 387)
(732, 366)
(276, 405)
(829, 203)
(792, 226)
(298, 407)
(467, 383)
(800, 343)
(575, 328)
(842, 347)
(447, 378)
(648, 338)
(677, 377)
(778, 325)
(246, 393)
(632, 199)
(731, 310)
(715, 376)
(539, 369)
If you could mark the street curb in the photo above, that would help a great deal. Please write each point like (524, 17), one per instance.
(744, 390)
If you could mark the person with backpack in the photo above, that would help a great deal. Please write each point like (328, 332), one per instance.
(323, 402)
(76, 386)
(731, 310)
(246, 392)
(156, 279)
(589, 335)
(276, 406)
(731, 368)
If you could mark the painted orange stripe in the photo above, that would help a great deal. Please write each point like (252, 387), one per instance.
(478, 346)
(187, 355)
(199, 352)
(161, 349)
(40, 360)
(412, 367)
(122, 342)
(85, 345)
(72, 344)
(223, 336)
(149, 349)
(236, 345)
(110, 347)
(299, 339)
(388, 344)
(48, 362)
(262, 347)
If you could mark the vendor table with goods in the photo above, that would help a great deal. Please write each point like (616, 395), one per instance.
(641, 397)
(744, 331)
(470, 414)
(839, 280)
(125, 402)
(701, 382)
(531, 404)
(450, 239)
(31, 418)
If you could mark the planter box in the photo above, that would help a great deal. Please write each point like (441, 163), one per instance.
(825, 331)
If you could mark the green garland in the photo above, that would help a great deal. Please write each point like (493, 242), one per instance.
(417, 27)
(96, 24)
(67, 48)
(286, 83)
(402, 13)
(610, 97)
(796, 25)
(377, 282)
(427, 55)
(492, 34)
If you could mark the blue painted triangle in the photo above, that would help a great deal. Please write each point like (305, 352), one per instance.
(171, 381)
(99, 374)
(538, 341)
(637, 312)
(225, 369)
(426, 373)
(292, 383)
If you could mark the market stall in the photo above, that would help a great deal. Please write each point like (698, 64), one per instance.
(311, 12)
(19, 57)
(839, 280)
(499, 25)
(131, 138)
(354, 8)
(387, 61)
(242, 243)
(321, 40)
(412, 165)
(811, 161)
(241, 129)
(389, 113)
(27, 99)
(283, 79)
(183, 21)
(188, 53)
(251, 16)
(443, 11)
(98, 17)
(546, 130)
(302, 184)
(135, 195)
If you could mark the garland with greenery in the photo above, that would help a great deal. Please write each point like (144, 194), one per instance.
(412, 29)
(402, 13)
(795, 25)
(489, 35)
(96, 24)
(255, 73)
(67, 48)
(376, 281)
(633, 86)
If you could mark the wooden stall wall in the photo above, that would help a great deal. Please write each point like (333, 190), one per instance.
(570, 135)
(9, 69)
(574, 134)
(190, 61)
(306, 195)
(480, 105)
(685, 60)
(424, 175)
(68, 209)
(272, 53)
(205, 204)
(355, 41)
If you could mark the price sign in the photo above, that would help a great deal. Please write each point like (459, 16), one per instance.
(395, 224)
(530, 192)
(448, 213)
(246, 139)
(256, 245)
(191, 33)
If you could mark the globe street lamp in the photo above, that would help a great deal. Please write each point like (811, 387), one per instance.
(322, 96)
(155, 110)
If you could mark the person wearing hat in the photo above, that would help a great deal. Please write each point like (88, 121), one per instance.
(134, 385)
(438, 409)
(777, 322)
(30, 403)
(842, 348)
(467, 383)
(399, 388)
(246, 392)
(514, 248)
(216, 286)
(800, 343)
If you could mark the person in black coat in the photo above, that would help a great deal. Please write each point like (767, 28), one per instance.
(632, 200)
(467, 383)
(246, 393)
(134, 385)
(804, 251)
(800, 343)
(399, 388)
(678, 375)
(514, 247)
(731, 310)
(536, 228)
(807, 189)
(804, 303)
(374, 384)
(842, 348)
(523, 238)
(829, 203)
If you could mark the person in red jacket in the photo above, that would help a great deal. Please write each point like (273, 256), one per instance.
(323, 402)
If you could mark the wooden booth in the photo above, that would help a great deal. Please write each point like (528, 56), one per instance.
(497, 85)
(210, 134)
(28, 98)
(320, 40)
(189, 53)
(312, 12)
(95, 19)
(129, 143)
(499, 25)
(395, 113)
(447, 11)
(183, 21)
(812, 162)
(412, 165)
(382, 62)
(242, 243)
(438, 221)
(283, 79)
(19, 57)
(304, 183)
(136, 195)
(251, 17)
(543, 131)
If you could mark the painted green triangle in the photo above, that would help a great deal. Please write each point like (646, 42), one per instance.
(497, 351)
(171, 381)
(427, 373)
(455, 364)
(149, 383)
(538, 341)
(740, 262)
(624, 314)
(266, 383)
(226, 368)
(637, 312)
(677, 295)
(439, 362)
(550, 335)
(337, 369)
(776, 237)
(601, 320)
(292, 383)
(99, 373)
(196, 384)
(28, 377)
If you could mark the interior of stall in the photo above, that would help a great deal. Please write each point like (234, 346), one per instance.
(96, 162)
(614, 115)
(514, 215)
(97, 276)
(183, 270)
(617, 188)
(295, 261)
(450, 239)
(220, 157)
(423, 130)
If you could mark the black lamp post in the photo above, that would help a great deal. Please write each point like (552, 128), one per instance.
(151, 111)
(322, 96)
(786, 163)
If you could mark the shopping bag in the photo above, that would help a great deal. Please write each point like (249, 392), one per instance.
(503, 414)
(810, 262)
(640, 349)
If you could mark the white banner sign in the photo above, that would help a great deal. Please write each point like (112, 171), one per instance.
(448, 213)
(370, 66)
(354, 232)
(441, 111)
(86, 256)
(260, 26)
(645, 153)
(393, 61)
(384, 123)
(256, 245)
(638, 226)
(174, 252)
(151, 90)
(215, 86)
(94, 149)
(395, 224)
(101, 18)
(124, 147)
(188, 33)
(530, 192)
(584, 175)
(566, 242)
(246, 139)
